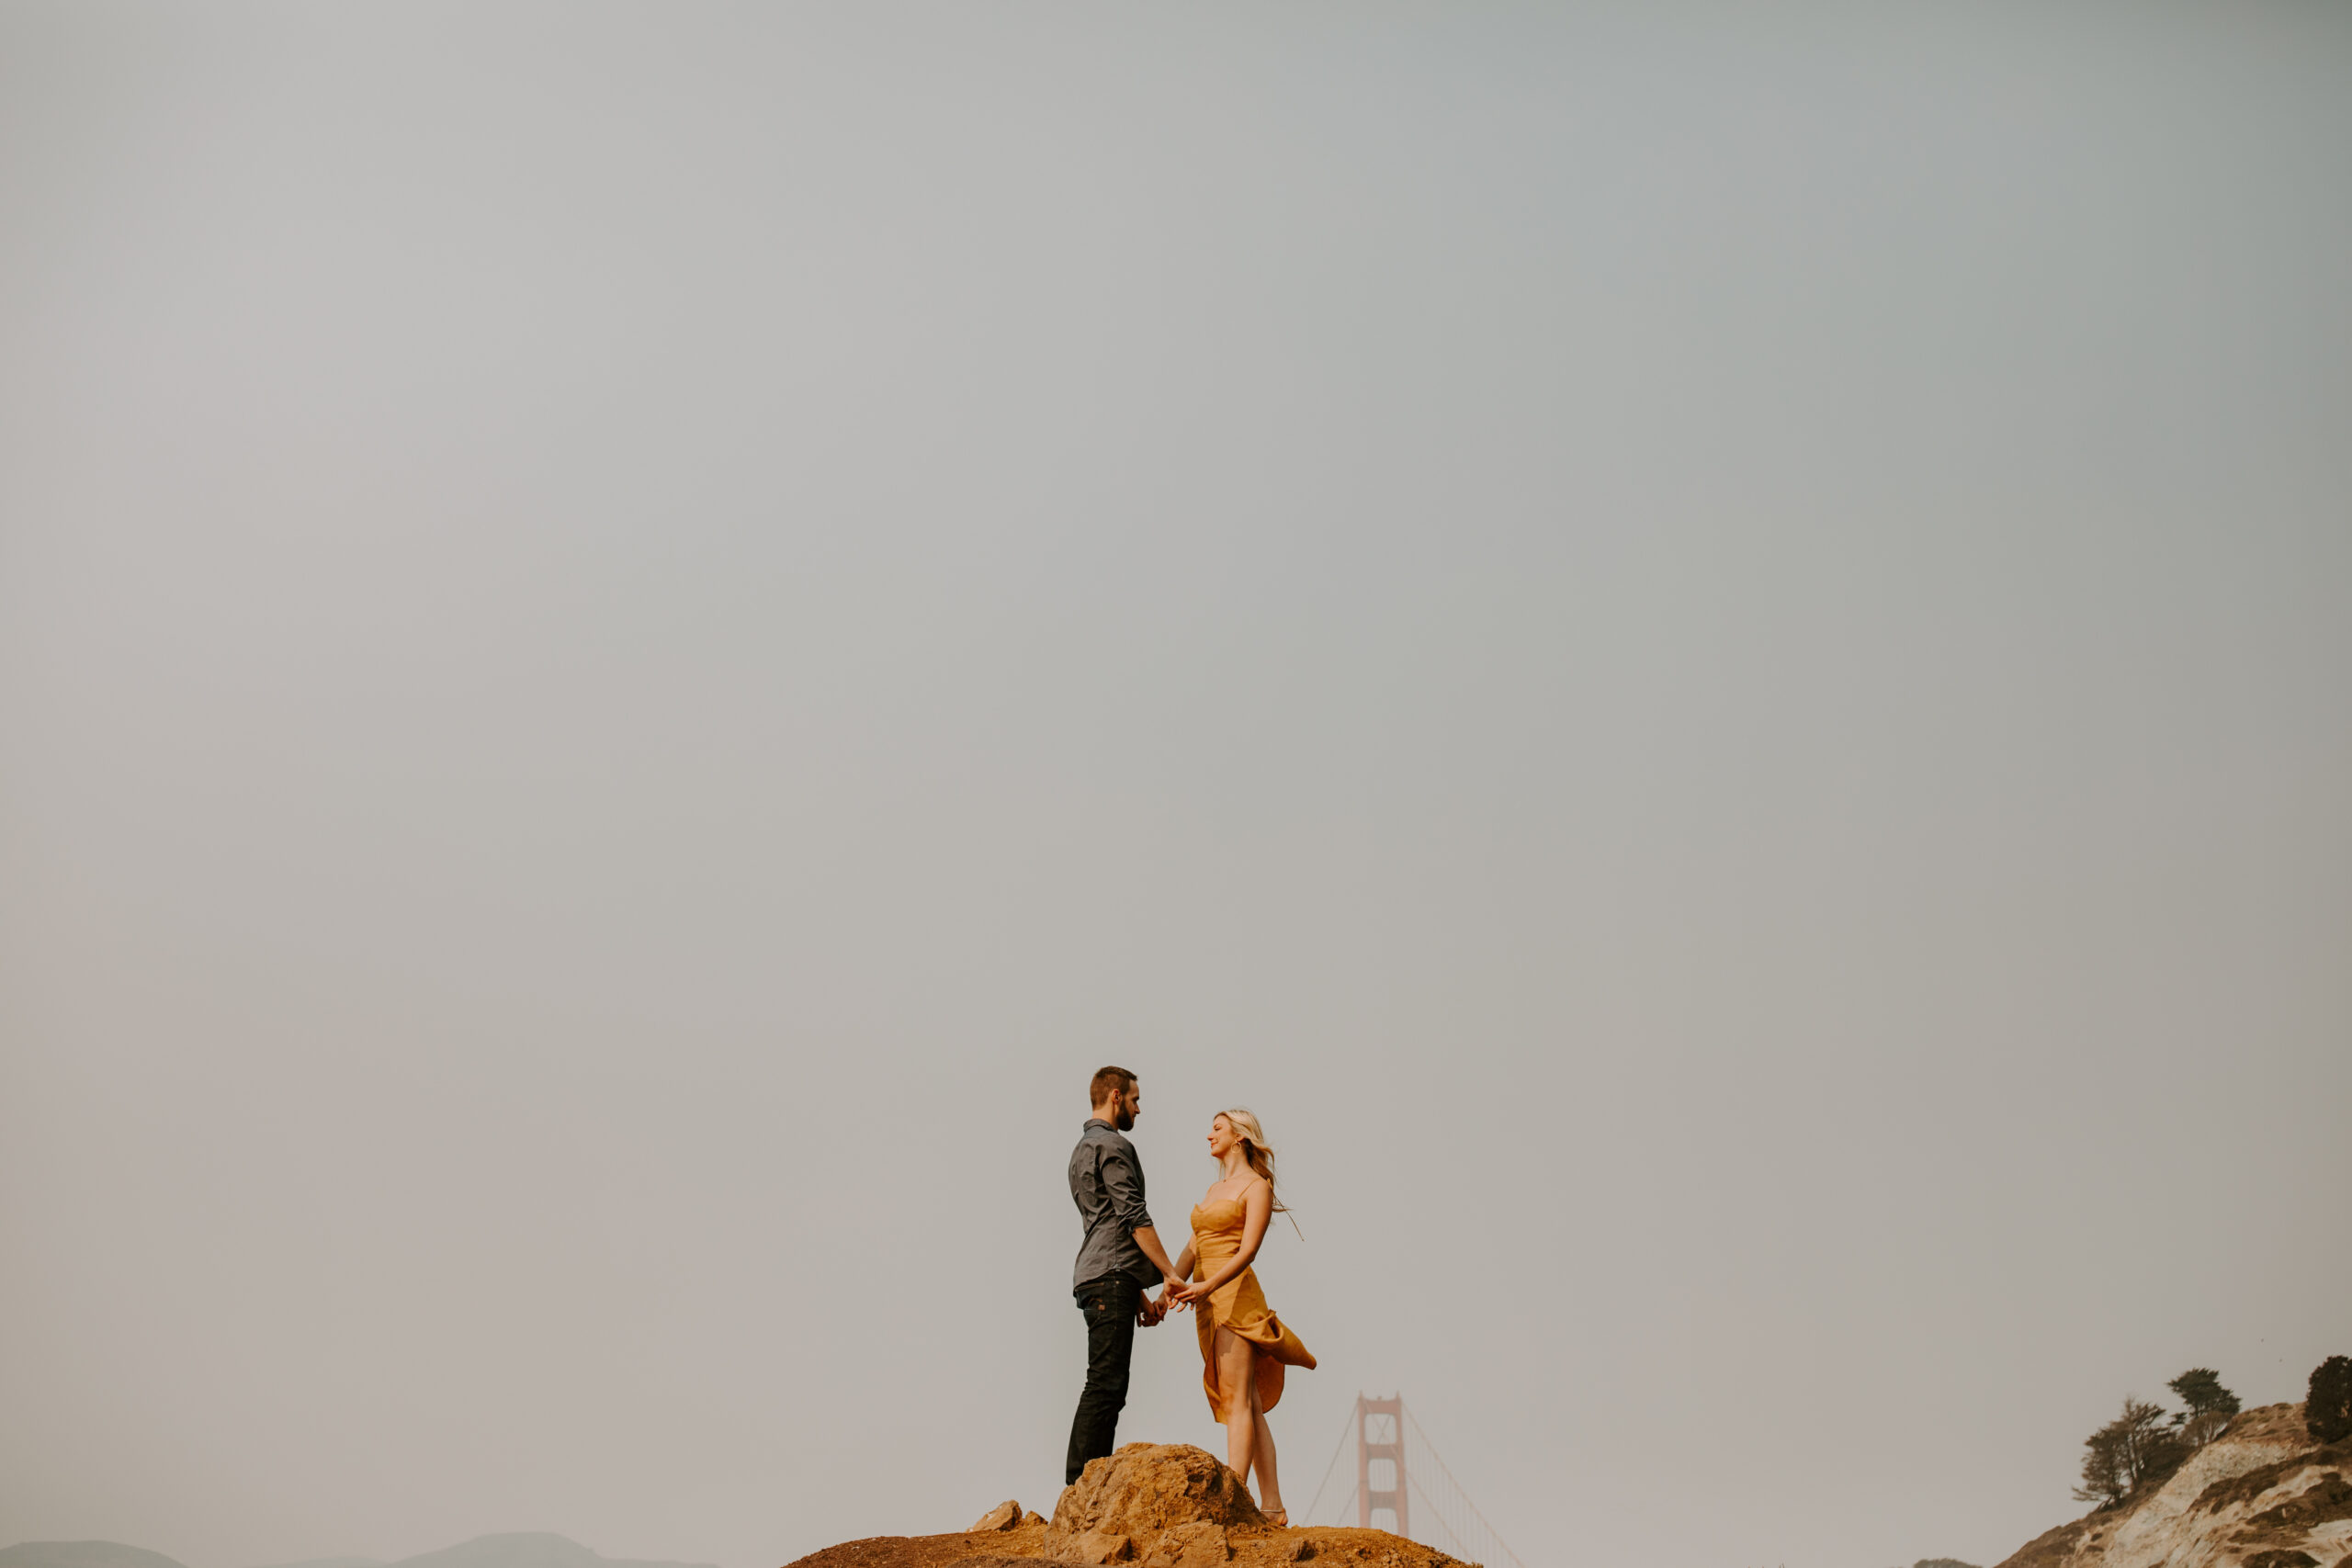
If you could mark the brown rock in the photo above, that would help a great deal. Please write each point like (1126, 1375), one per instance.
(1032, 1517)
(1005, 1516)
(919, 1552)
(1091, 1547)
(1301, 1550)
(1259, 1548)
(1145, 1490)
(1189, 1546)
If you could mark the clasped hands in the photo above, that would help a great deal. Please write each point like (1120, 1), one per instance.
(1180, 1294)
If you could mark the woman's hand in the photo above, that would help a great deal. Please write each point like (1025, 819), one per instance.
(1192, 1291)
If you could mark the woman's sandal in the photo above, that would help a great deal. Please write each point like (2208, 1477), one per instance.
(1279, 1518)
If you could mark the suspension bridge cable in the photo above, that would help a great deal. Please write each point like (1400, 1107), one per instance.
(1431, 1449)
(1467, 1552)
(1476, 1552)
(1326, 1473)
(1488, 1544)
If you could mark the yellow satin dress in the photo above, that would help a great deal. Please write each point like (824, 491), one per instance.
(1239, 1306)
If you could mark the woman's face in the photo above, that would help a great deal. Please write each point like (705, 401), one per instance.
(1220, 1138)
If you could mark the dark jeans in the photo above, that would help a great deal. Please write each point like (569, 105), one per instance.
(1110, 1305)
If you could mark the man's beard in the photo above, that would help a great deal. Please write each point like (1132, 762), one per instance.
(1123, 1119)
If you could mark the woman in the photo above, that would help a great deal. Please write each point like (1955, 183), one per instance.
(1243, 1345)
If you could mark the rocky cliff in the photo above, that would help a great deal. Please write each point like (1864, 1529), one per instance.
(2260, 1496)
(1155, 1506)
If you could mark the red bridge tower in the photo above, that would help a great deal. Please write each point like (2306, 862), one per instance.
(1380, 1439)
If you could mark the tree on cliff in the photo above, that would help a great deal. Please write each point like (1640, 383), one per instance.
(2210, 1405)
(2327, 1406)
(2134, 1447)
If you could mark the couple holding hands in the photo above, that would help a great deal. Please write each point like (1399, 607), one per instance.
(1244, 1347)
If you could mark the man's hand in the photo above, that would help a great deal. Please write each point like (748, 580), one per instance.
(1150, 1313)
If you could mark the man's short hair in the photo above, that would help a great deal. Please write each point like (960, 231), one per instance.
(1109, 1083)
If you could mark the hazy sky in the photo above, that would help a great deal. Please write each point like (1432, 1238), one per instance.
(1707, 651)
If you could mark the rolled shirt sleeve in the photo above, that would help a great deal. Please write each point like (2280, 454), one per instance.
(1124, 1181)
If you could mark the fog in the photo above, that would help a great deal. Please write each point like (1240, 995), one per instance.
(1704, 651)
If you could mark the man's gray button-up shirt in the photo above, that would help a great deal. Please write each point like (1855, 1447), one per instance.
(1106, 1183)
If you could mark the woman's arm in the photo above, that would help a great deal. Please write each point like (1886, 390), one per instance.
(1257, 1208)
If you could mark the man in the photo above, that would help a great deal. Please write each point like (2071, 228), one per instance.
(1116, 1261)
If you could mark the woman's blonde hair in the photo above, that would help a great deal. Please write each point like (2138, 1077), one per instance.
(1258, 1152)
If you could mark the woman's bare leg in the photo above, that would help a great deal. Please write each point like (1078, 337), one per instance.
(1236, 1380)
(1270, 1491)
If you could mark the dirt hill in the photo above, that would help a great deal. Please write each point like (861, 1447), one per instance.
(2260, 1496)
(81, 1554)
(524, 1550)
(1164, 1506)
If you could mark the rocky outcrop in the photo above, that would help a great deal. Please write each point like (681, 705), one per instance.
(1160, 1504)
(2261, 1496)
(1148, 1506)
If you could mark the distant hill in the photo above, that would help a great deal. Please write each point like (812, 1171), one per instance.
(532, 1550)
(81, 1554)
(528, 1550)
(2263, 1494)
